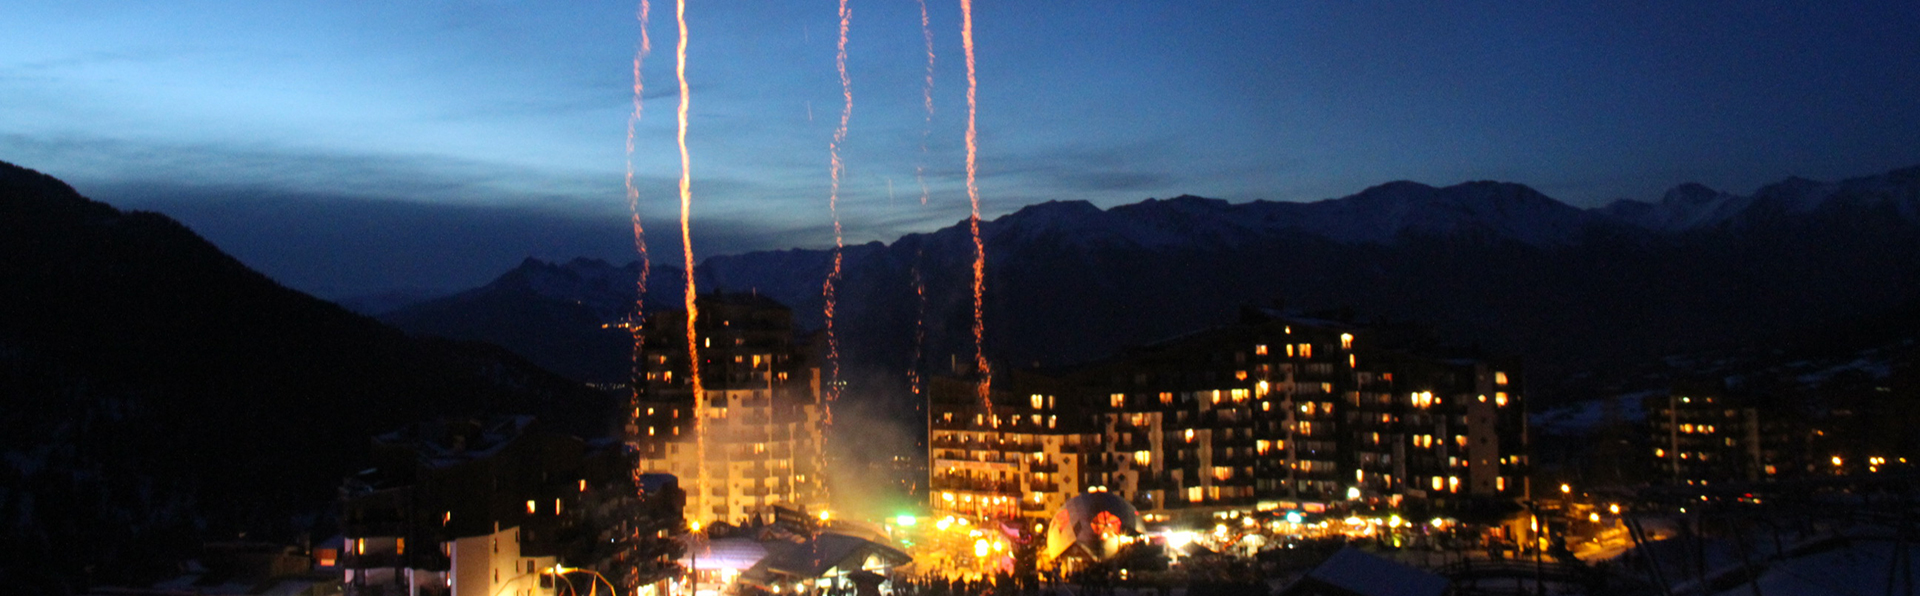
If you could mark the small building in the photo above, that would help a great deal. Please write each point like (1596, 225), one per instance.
(836, 562)
(502, 506)
(1090, 528)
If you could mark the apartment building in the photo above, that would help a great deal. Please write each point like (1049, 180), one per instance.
(755, 438)
(1276, 411)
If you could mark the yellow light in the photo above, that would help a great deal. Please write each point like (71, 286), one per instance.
(530, 506)
(1566, 489)
(695, 526)
(980, 548)
(825, 516)
(1614, 509)
(1836, 460)
(1593, 517)
(943, 523)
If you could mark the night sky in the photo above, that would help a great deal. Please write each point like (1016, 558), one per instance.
(349, 148)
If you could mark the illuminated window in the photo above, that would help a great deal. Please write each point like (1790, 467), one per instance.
(1166, 398)
(1260, 350)
(1039, 401)
(1194, 494)
(1306, 350)
(1239, 395)
(1500, 398)
(1500, 483)
(1119, 400)
(1050, 420)
(1189, 435)
(530, 506)
(1499, 378)
(1143, 457)
(1346, 341)
(1438, 483)
(1222, 473)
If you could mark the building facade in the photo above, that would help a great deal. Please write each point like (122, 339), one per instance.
(755, 439)
(501, 506)
(1273, 412)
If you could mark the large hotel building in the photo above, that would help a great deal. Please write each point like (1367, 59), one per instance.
(1274, 412)
(762, 444)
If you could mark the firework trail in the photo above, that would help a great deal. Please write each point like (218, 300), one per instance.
(633, 211)
(634, 326)
(838, 167)
(686, 249)
(920, 176)
(973, 198)
(926, 91)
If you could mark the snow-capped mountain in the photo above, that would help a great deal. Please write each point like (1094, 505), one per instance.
(1498, 264)
(1694, 206)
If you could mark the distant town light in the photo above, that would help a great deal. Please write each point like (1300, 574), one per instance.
(905, 520)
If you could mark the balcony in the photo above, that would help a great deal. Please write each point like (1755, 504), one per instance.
(983, 486)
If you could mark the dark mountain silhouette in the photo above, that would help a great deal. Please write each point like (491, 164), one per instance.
(158, 393)
(1493, 264)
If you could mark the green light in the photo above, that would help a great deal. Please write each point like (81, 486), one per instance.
(905, 520)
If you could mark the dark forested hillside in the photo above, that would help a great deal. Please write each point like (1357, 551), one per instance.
(158, 393)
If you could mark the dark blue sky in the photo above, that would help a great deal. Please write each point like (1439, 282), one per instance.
(346, 148)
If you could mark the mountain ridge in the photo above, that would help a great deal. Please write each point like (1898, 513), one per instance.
(159, 393)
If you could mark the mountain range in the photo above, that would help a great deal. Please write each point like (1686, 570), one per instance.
(1492, 264)
(158, 394)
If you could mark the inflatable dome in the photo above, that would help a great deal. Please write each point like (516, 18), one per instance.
(1093, 525)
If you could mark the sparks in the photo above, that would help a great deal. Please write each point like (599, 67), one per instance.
(634, 327)
(686, 249)
(633, 211)
(926, 91)
(837, 167)
(926, 94)
(973, 198)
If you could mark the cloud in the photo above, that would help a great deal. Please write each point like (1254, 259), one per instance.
(341, 246)
(339, 225)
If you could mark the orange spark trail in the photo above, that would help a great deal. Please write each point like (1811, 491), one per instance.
(973, 197)
(926, 32)
(926, 94)
(634, 322)
(633, 211)
(831, 289)
(686, 249)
